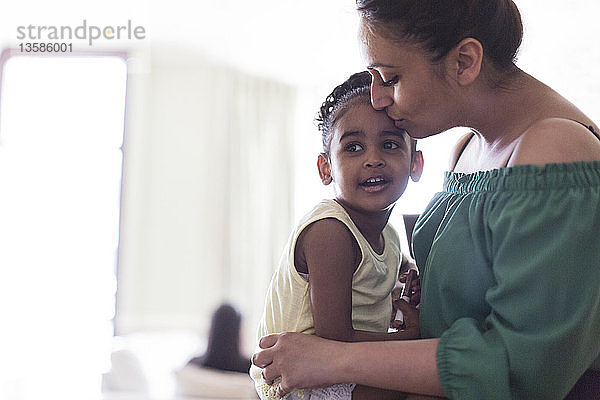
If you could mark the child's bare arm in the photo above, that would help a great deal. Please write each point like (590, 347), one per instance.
(331, 255)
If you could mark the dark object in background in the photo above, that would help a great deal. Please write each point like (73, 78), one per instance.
(587, 388)
(223, 350)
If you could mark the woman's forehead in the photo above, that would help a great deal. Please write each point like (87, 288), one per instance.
(381, 52)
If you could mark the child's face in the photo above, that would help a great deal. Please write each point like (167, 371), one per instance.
(369, 161)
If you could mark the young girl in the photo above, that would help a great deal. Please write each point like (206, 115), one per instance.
(342, 261)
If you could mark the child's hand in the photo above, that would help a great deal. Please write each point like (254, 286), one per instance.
(410, 328)
(414, 292)
(394, 323)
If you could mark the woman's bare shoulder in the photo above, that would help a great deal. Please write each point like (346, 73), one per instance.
(555, 140)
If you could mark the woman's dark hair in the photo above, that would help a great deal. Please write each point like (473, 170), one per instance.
(338, 102)
(439, 25)
(223, 351)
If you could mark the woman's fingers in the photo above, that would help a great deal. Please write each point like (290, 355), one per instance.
(261, 359)
(300, 360)
(267, 360)
(282, 389)
(267, 381)
(268, 341)
(269, 375)
(264, 357)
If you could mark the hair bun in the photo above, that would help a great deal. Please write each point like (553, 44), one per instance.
(354, 82)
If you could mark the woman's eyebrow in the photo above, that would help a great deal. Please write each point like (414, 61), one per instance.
(380, 65)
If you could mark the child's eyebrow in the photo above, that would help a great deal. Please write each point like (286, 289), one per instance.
(350, 134)
(399, 134)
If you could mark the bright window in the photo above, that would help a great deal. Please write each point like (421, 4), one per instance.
(61, 132)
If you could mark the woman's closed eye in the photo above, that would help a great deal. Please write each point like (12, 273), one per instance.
(390, 82)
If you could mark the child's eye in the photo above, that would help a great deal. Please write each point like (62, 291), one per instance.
(390, 145)
(353, 147)
(390, 82)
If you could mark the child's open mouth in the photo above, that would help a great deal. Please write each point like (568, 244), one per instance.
(374, 184)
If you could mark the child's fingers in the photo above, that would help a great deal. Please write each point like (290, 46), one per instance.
(411, 317)
(402, 276)
(396, 324)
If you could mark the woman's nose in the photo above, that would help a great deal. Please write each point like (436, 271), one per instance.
(380, 96)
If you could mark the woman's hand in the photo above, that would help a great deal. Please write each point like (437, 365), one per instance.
(301, 360)
(308, 361)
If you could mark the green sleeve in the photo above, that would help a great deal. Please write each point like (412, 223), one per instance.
(543, 330)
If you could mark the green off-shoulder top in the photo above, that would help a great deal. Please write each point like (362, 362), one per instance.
(510, 278)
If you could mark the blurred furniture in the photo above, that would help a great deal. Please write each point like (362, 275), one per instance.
(196, 381)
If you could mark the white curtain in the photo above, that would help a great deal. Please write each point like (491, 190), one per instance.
(207, 196)
(260, 200)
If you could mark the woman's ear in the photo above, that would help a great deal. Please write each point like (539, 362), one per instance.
(324, 169)
(464, 61)
(416, 168)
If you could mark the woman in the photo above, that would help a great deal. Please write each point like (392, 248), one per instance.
(509, 251)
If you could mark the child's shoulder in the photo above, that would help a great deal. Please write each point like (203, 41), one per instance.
(325, 238)
(329, 231)
(325, 209)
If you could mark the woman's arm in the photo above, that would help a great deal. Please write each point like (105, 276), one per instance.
(331, 255)
(304, 361)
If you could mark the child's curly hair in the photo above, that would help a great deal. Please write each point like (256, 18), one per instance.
(337, 103)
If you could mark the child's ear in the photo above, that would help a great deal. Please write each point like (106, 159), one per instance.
(416, 169)
(324, 169)
(464, 61)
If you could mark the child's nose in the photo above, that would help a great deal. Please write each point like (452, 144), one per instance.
(374, 160)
